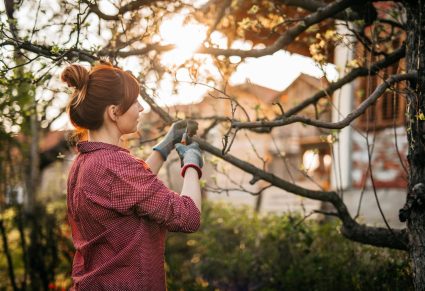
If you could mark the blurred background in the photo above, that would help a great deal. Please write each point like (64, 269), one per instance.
(300, 149)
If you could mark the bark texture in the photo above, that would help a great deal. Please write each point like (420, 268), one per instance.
(415, 58)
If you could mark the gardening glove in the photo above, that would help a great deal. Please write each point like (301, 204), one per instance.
(175, 135)
(190, 157)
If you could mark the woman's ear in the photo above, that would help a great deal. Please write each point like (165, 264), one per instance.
(112, 112)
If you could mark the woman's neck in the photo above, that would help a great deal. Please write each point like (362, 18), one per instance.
(103, 135)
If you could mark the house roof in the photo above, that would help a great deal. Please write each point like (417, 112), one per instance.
(267, 95)
(264, 94)
(310, 80)
(270, 96)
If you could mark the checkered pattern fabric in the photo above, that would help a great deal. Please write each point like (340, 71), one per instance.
(119, 212)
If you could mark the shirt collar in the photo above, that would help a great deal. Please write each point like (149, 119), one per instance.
(90, 146)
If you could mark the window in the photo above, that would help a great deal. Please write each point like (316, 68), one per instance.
(388, 110)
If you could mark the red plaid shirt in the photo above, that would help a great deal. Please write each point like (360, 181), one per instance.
(119, 212)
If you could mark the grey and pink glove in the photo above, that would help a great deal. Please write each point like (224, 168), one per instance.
(190, 157)
(174, 135)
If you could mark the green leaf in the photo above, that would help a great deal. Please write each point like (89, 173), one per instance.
(420, 116)
(55, 49)
(253, 10)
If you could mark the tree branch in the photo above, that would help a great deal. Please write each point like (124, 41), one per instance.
(131, 6)
(288, 37)
(46, 51)
(381, 237)
(10, 10)
(332, 125)
(355, 73)
(351, 229)
(313, 5)
(219, 16)
(137, 52)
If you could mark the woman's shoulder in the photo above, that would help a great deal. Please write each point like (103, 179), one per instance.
(98, 155)
(123, 160)
(103, 159)
(107, 158)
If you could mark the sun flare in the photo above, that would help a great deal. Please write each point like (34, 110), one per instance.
(187, 37)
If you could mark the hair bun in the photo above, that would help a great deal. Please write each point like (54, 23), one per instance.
(105, 62)
(75, 76)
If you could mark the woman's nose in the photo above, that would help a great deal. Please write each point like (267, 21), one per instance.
(139, 102)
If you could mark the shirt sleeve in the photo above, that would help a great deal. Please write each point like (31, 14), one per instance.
(136, 189)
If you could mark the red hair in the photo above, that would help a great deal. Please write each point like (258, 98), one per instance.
(96, 89)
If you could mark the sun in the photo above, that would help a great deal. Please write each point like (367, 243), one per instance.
(187, 37)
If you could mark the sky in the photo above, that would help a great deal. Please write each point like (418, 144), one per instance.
(279, 70)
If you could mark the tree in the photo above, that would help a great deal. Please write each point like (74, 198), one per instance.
(131, 31)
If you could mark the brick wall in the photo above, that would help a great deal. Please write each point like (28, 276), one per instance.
(387, 169)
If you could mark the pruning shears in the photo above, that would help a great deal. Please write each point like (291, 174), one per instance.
(191, 129)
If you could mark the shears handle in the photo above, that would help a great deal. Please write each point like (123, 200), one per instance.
(191, 129)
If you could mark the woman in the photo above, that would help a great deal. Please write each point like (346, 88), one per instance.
(119, 211)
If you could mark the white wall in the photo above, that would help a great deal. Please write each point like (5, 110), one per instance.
(391, 200)
(343, 101)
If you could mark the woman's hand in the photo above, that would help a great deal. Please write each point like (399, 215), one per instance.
(190, 157)
(174, 136)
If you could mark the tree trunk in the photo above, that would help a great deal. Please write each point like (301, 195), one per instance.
(33, 171)
(415, 60)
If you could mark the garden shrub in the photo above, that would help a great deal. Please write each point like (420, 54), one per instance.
(237, 249)
(39, 246)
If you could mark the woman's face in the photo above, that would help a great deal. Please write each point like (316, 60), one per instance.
(127, 122)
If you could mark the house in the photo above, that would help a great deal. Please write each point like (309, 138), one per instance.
(377, 141)
(303, 154)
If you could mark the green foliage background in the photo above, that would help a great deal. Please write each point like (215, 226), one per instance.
(236, 249)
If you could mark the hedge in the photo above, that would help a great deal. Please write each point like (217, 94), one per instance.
(235, 249)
